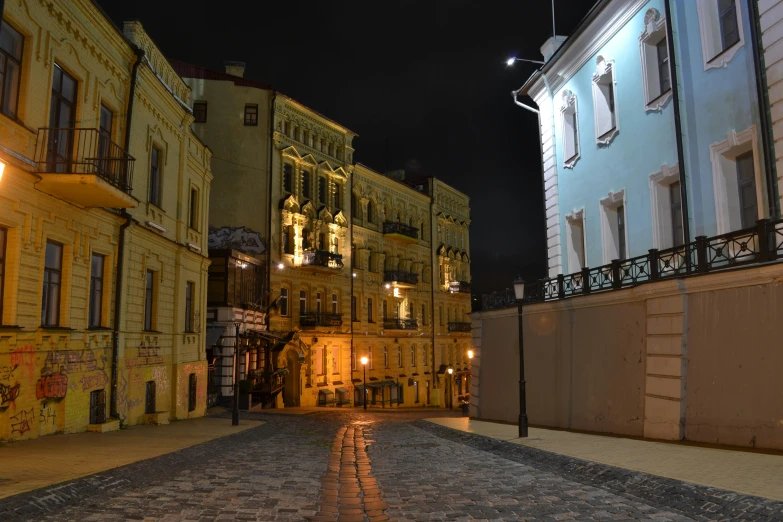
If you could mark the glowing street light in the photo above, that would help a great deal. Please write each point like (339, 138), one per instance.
(2, 168)
(280, 266)
(511, 61)
(364, 390)
(470, 354)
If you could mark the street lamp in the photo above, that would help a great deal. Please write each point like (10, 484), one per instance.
(519, 293)
(514, 59)
(235, 405)
(451, 399)
(470, 354)
(364, 389)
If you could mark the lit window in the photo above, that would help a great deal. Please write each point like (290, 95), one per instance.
(666, 203)
(575, 246)
(656, 75)
(739, 190)
(570, 131)
(604, 103)
(53, 264)
(251, 115)
(613, 228)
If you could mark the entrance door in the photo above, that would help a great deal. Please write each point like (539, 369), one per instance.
(292, 381)
(150, 403)
(62, 112)
(98, 407)
(428, 392)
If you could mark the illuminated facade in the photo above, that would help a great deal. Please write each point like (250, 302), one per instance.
(87, 224)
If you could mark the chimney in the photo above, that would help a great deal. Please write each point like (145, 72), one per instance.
(552, 45)
(235, 68)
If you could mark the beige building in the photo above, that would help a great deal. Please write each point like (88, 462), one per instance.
(103, 205)
(343, 242)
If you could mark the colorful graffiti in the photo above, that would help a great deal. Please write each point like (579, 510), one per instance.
(52, 386)
(70, 361)
(8, 393)
(95, 380)
(22, 421)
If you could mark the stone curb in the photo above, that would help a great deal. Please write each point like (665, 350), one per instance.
(92, 488)
(695, 501)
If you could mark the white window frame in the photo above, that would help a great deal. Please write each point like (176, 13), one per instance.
(709, 29)
(654, 32)
(660, 205)
(604, 74)
(574, 220)
(610, 242)
(567, 110)
(724, 177)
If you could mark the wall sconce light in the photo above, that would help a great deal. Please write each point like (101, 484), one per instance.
(2, 168)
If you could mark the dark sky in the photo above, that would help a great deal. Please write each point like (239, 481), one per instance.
(416, 79)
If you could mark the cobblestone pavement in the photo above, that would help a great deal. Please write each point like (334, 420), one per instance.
(347, 465)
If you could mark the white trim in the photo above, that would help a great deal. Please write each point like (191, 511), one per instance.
(654, 32)
(575, 219)
(569, 107)
(660, 204)
(708, 26)
(724, 180)
(610, 248)
(604, 73)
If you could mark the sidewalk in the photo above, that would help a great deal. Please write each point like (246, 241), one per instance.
(740, 471)
(37, 463)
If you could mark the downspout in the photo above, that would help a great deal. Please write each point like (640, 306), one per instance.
(678, 129)
(121, 243)
(354, 304)
(432, 281)
(765, 118)
(269, 203)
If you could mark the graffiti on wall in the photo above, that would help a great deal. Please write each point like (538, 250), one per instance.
(70, 361)
(8, 393)
(7, 372)
(53, 386)
(147, 355)
(21, 422)
(93, 380)
(47, 417)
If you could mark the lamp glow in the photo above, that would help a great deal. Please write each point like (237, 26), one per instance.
(2, 168)
(470, 354)
(354, 274)
(451, 370)
(519, 289)
(388, 285)
(280, 266)
(364, 360)
(510, 61)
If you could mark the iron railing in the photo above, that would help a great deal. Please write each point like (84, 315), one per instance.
(400, 324)
(461, 287)
(312, 320)
(398, 276)
(322, 258)
(460, 327)
(84, 151)
(393, 227)
(758, 244)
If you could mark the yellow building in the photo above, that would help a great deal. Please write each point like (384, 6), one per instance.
(350, 252)
(103, 202)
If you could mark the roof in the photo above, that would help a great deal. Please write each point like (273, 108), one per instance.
(187, 70)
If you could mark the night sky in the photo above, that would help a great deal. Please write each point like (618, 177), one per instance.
(419, 81)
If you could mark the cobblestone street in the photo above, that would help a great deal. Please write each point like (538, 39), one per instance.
(355, 466)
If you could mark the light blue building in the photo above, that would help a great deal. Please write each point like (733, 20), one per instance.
(618, 181)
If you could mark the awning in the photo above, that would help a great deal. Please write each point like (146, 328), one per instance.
(342, 390)
(326, 392)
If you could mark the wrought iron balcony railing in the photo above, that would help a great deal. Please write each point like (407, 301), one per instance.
(392, 227)
(759, 244)
(312, 320)
(398, 276)
(400, 324)
(461, 287)
(84, 151)
(322, 258)
(460, 327)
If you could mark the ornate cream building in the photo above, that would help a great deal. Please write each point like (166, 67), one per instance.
(352, 253)
(103, 205)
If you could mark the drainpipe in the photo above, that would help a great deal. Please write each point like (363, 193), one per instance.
(678, 129)
(121, 243)
(269, 204)
(432, 279)
(351, 272)
(2, 8)
(765, 119)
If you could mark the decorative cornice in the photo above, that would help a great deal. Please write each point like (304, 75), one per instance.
(613, 199)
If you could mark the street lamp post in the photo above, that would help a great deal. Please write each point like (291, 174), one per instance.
(519, 292)
(235, 405)
(364, 389)
(451, 399)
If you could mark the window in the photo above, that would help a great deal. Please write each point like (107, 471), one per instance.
(385, 356)
(370, 212)
(369, 356)
(675, 206)
(353, 309)
(746, 189)
(575, 237)
(318, 303)
(251, 115)
(413, 355)
(613, 233)
(334, 247)
(338, 200)
(192, 392)
(604, 101)
(399, 356)
(62, 110)
(155, 177)
(416, 391)
(193, 214)
(149, 301)
(288, 239)
(385, 307)
(96, 291)
(306, 184)
(287, 187)
(320, 360)
(666, 205)
(369, 308)
(11, 44)
(353, 359)
(284, 302)
(424, 358)
(720, 24)
(50, 306)
(322, 195)
(424, 316)
(3, 243)
(654, 49)
(284, 128)
(302, 302)
(334, 303)
(570, 131)
(200, 112)
(190, 290)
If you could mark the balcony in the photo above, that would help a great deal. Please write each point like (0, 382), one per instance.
(401, 231)
(321, 259)
(459, 287)
(85, 167)
(460, 327)
(400, 324)
(401, 279)
(322, 319)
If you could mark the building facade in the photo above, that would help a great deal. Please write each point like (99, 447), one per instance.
(611, 154)
(102, 221)
(352, 253)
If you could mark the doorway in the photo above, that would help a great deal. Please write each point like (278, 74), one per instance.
(292, 380)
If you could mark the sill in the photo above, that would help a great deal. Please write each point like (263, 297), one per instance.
(723, 58)
(606, 138)
(11, 327)
(657, 104)
(195, 230)
(152, 331)
(251, 124)
(98, 328)
(57, 328)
